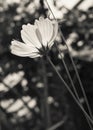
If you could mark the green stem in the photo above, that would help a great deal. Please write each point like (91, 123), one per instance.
(79, 80)
(74, 66)
(71, 81)
(78, 103)
(58, 124)
(46, 105)
(68, 73)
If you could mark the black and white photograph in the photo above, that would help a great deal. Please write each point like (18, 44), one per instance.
(46, 64)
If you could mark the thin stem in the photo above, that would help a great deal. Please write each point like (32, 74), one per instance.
(78, 77)
(78, 103)
(68, 73)
(55, 126)
(71, 81)
(46, 105)
(74, 66)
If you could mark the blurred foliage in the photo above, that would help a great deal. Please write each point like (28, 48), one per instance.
(21, 79)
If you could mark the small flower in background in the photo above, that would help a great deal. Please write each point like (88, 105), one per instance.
(37, 38)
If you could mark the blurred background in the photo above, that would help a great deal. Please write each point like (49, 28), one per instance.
(21, 79)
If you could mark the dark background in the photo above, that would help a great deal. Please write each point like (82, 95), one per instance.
(21, 79)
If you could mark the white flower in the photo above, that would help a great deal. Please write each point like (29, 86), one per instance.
(37, 38)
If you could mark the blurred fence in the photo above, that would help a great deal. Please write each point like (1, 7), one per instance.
(21, 79)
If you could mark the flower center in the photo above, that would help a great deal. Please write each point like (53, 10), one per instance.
(43, 50)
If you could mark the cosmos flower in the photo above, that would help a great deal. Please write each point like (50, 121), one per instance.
(37, 38)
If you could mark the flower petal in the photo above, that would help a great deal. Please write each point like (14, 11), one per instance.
(28, 34)
(23, 50)
(46, 29)
(55, 31)
(36, 38)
